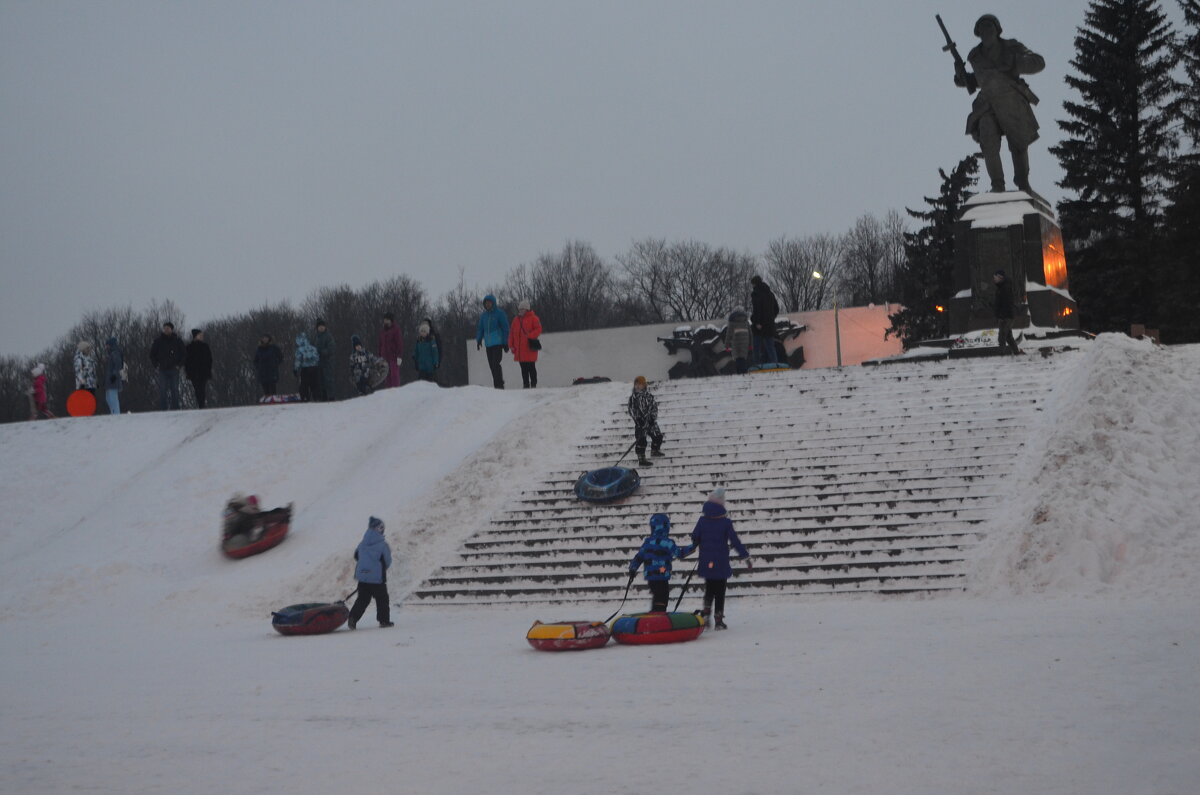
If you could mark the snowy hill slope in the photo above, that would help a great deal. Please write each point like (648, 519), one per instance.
(129, 507)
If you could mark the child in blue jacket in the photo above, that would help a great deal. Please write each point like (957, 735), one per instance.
(714, 534)
(655, 556)
(373, 557)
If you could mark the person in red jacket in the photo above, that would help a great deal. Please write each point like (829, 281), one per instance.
(524, 344)
(37, 395)
(391, 349)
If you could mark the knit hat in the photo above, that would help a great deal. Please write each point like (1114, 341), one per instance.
(196, 332)
(84, 346)
(1001, 273)
(717, 495)
(660, 523)
(423, 329)
(376, 524)
(641, 379)
(756, 280)
(169, 324)
(38, 369)
(320, 322)
(523, 306)
(355, 341)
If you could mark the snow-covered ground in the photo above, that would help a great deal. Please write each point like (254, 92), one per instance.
(136, 659)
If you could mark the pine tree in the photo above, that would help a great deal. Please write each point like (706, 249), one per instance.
(1179, 269)
(1117, 159)
(926, 277)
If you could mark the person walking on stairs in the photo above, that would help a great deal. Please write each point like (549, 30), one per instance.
(643, 408)
(655, 557)
(373, 557)
(1002, 305)
(714, 534)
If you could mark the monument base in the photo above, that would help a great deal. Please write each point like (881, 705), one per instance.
(1014, 232)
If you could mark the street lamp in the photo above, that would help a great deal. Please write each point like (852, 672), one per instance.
(837, 328)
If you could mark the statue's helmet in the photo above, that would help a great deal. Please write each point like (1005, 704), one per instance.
(988, 18)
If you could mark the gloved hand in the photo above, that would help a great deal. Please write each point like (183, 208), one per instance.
(506, 349)
(398, 361)
(478, 345)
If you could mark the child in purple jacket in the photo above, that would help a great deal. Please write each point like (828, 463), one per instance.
(714, 534)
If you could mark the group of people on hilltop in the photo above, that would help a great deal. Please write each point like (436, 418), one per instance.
(522, 337)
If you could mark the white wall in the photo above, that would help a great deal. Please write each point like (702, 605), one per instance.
(627, 352)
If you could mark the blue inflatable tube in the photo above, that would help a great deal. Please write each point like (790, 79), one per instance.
(604, 485)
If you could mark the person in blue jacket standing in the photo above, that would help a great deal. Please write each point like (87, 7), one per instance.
(373, 557)
(714, 534)
(655, 556)
(492, 333)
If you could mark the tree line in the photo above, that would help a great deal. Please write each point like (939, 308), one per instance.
(655, 281)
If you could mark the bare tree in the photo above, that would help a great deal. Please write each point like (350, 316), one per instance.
(874, 251)
(792, 264)
(688, 280)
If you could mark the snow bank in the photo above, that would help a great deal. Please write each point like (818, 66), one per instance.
(1110, 495)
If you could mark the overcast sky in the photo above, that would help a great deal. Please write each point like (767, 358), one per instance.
(223, 154)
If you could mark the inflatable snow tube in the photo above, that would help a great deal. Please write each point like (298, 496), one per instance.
(315, 618)
(275, 529)
(645, 628)
(567, 635)
(609, 483)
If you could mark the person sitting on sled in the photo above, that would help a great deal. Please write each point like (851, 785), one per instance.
(714, 534)
(655, 556)
(243, 517)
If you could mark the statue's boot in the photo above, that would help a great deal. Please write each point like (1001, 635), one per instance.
(1021, 177)
(995, 170)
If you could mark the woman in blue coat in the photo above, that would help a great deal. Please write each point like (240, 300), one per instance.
(655, 556)
(714, 534)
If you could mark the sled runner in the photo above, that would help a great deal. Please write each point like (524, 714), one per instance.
(648, 628)
(316, 618)
(567, 635)
(607, 484)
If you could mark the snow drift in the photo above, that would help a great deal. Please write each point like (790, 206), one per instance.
(1110, 497)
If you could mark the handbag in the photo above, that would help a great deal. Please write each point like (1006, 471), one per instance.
(535, 344)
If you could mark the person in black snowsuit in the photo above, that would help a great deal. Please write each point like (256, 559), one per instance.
(643, 408)
(1003, 308)
(197, 365)
(267, 359)
(763, 311)
(167, 353)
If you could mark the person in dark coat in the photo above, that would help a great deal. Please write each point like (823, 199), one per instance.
(326, 349)
(114, 375)
(197, 365)
(655, 556)
(763, 311)
(373, 558)
(643, 408)
(714, 534)
(738, 339)
(267, 359)
(167, 354)
(427, 357)
(492, 333)
(391, 349)
(1003, 308)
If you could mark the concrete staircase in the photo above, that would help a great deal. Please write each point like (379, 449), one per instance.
(839, 481)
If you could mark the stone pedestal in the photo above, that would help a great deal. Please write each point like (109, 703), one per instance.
(1015, 232)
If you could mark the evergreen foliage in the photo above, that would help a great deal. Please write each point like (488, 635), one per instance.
(1117, 156)
(926, 276)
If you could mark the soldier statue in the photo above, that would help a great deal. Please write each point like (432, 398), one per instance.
(1004, 105)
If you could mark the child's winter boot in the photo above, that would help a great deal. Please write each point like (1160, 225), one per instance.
(721, 621)
(656, 452)
(643, 461)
